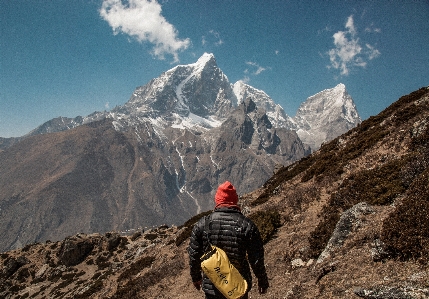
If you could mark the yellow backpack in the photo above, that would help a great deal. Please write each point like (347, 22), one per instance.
(224, 276)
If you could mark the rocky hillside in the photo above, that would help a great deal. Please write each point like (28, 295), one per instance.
(94, 178)
(349, 221)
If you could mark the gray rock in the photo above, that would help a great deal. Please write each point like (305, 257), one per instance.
(349, 220)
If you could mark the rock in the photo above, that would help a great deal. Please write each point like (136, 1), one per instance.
(41, 273)
(12, 265)
(74, 251)
(113, 240)
(392, 293)
(378, 251)
(310, 262)
(56, 273)
(349, 220)
(296, 263)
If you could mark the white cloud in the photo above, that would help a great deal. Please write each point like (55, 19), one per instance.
(216, 34)
(142, 20)
(259, 69)
(372, 29)
(246, 79)
(372, 52)
(214, 37)
(350, 25)
(348, 52)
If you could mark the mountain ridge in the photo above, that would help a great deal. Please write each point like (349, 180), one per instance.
(334, 224)
(97, 178)
(158, 159)
(176, 98)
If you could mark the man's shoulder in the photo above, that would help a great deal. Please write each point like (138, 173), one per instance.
(233, 213)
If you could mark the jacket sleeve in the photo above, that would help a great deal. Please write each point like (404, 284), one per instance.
(256, 256)
(195, 251)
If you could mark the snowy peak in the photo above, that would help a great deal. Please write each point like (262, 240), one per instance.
(329, 102)
(206, 59)
(326, 115)
(197, 94)
(275, 112)
(199, 97)
(207, 62)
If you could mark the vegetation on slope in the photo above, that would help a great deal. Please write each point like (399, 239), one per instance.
(406, 231)
(379, 185)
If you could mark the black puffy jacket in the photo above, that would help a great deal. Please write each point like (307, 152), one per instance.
(238, 236)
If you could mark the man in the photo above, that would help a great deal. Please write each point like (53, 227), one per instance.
(237, 235)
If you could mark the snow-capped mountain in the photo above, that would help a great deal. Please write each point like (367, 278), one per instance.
(325, 115)
(199, 97)
(197, 94)
(157, 159)
(275, 112)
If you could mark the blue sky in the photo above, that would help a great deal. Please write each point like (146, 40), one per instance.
(74, 57)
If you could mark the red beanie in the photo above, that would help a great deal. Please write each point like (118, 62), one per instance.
(226, 195)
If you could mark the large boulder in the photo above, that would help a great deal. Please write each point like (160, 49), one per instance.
(74, 250)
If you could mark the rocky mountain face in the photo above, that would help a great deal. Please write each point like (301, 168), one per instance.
(199, 96)
(349, 221)
(325, 115)
(157, 159)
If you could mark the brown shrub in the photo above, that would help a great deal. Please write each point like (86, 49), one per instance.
(267, 223)
(406, 230)
(136, 235)
(189, 224)
(102, 261)
(134, 287)
(377, 186)
(151, 236)
(323, 231)
(284, 174)
(136, 267)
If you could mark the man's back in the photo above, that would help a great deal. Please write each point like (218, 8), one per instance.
(238, 236)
